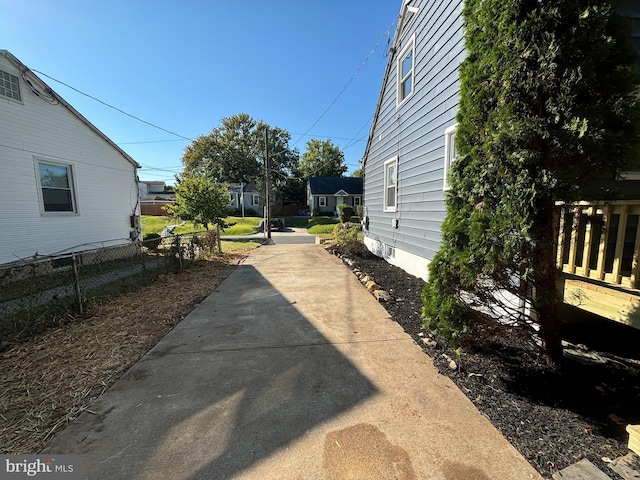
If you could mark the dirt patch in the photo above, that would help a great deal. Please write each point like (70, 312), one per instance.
(363, 451)
(49, 380)
(554, 418)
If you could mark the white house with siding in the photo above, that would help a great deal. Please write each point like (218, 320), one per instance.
(64, 186)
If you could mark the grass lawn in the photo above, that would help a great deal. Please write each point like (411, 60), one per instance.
(155, 224)
(298, 222)
(241, 226)
(239, 246)
(319, 225)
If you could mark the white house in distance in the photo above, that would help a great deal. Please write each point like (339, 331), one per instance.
(65, 186)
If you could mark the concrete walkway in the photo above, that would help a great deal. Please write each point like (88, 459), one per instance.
(290, 235)
(290, 369)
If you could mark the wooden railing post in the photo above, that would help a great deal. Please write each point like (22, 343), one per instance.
(602, 249)
(635, 265)
(617, 257)
(574, 240)
(586, 252)
(560, 235)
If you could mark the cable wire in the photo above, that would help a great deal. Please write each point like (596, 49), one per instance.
(384, 35)
(111, 106)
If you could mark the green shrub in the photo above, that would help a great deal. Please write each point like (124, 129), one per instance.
(345, 235)
(344, 212)
(152, 240)
(360, 210)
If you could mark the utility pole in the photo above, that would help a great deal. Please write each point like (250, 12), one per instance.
(267, 202)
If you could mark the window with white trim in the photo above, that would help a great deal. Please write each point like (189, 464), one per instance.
(322, 201)
(389, 251)
(255, 200)
(450, 153)
(405, 71)
(357, 201)
(390, 185)
(56, 187)
(10, 86)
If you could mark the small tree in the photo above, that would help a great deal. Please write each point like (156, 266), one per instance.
(346, 235)
(200, 200)
(345, 212)
(548, 103)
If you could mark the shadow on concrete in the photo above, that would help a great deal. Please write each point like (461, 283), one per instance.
(240, 378)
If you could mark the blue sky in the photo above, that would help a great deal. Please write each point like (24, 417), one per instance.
(183, 65)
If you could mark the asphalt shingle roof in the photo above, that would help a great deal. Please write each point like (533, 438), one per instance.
(332, 185)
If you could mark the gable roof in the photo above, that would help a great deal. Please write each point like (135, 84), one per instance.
(245, 187)
(390, 62)
(50, 92)
(626, 8)
(333, 185)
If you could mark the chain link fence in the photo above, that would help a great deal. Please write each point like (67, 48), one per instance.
(50, 291)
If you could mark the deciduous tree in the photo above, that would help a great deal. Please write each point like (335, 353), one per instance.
(322, 159)
(234, 153)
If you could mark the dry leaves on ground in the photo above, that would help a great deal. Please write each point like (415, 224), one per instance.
(47, 381)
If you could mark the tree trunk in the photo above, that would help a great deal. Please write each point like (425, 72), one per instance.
(546, 295)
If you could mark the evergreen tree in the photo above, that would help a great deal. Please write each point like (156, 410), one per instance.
(548, 103)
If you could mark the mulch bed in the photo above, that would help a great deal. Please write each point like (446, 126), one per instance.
(49, 380)
(554, 418)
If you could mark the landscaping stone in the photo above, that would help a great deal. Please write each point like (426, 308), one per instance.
(382, 296)
(372, 286)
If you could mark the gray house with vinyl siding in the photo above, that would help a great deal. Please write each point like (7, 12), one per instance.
(324, 194)
(410, 144)
(404, 163)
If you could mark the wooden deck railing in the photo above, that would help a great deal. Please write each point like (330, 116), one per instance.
(600, 241)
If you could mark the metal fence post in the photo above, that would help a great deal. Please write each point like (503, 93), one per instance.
(218, 238)
(179, 252)
(76, 283)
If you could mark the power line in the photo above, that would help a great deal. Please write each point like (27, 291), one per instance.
(111, 106)
(153, 141)
(384, 35)
(324, 136)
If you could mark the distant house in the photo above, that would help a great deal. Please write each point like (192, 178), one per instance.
(411, 146)
(154, 196)
(65, 186)
(324, 194)
(244, 196)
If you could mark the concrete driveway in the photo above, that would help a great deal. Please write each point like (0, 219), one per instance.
(290, 236)
(290, 369)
